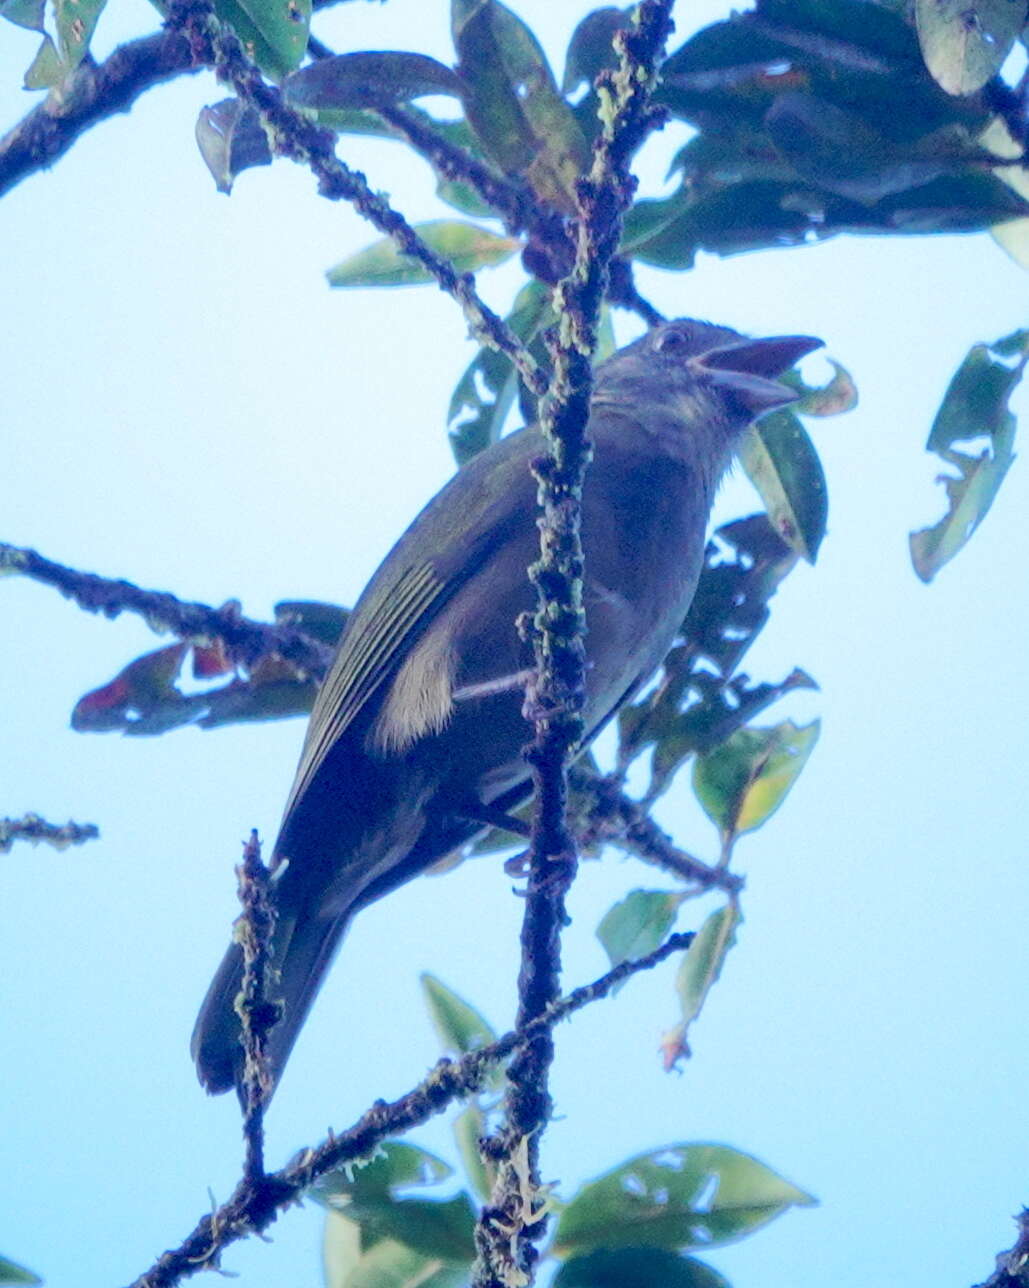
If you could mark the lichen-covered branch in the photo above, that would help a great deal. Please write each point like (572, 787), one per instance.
(511, 1224)
(244, 639)
(256, 1203)
(32, 828)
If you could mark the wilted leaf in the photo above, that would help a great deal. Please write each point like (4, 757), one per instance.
(638, 924)
(231, 139)
(698, 971)
(839, 395)
(512, 102)
(964, 42)
(682, 1196)
(636, 1268)
(781, 461)
(366, 78)
(974, 406)
(745, 780)
(467, 246)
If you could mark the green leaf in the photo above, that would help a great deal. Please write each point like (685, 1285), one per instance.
(341, 1249)
(512, 103)
(74, 22)
(12, 1273)
(636, 1268)
(590, 50)
(974, 406)
(485, 394)
(46, 69)
(440, 1229)
(24, 13)
(231, 139)
(744, 781)
(395, 1166)
(467, 246)
(682, 1196)
(389, 1264)
(638, 924)
(698, 972)
(965, 42)
(469, 1128)
(366, 78)
(321, 621)
(459, 1025)
(781, 461)
(274, 32)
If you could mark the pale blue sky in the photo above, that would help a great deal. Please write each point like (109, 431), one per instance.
(187, 405)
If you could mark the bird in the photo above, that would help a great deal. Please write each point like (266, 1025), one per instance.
(416, 737)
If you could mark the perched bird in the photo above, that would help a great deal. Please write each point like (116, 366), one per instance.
(416, 736)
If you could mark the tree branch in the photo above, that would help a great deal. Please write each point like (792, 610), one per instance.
(245, 640)
(511, 1224)
(32, 828)
(256, 1203)
(1013, 1266)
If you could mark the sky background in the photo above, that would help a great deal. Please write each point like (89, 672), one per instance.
(187, 405)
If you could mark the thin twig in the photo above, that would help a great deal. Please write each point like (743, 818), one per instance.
(258, 1015)
(32, 828)
(245, 640)
(253, 1207)
(514, 1219)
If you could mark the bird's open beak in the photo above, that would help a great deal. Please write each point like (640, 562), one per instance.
(748, 369)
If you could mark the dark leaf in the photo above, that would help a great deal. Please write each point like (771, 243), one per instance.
(682, 1196)
(230, 139)
(636, 1268)
(512, 102)
(12, 1273)
(780, 460)
(590, 50)
(363, 79)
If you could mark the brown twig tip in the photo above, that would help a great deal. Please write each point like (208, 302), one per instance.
(36, 830)
(254, 929)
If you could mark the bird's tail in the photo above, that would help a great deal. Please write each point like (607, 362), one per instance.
(302, 951)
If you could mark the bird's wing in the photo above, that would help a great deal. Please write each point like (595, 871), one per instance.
(441, 550)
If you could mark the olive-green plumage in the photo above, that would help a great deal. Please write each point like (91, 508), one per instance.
(418, 724)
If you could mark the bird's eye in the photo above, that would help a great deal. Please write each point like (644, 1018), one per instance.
(671, 340)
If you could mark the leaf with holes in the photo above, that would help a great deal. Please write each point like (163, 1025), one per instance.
(974, 406)
(682, 1196)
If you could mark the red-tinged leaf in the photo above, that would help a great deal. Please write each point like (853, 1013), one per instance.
(210, 660)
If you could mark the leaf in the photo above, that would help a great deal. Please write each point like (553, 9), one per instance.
(341, 1249)
(485, 394)
(974, 406)
(363, 79)
(638, 924)
(965, 42)
(467, 246)
(231, 139)
(440, 1229)
(512, 103)
(590, 50)
(744, 781)
(389, 1264)
(321, 621)
(74, 23)
(24, 13)
(837, 396)
(781, 461)
(12, 1273)
(698, 971)
(681, 1196)
(274, 32)
(636, 1268)
(46, 69)
(469, 1128)
(459, 1025)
